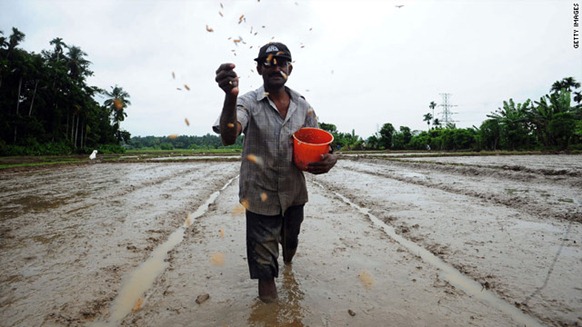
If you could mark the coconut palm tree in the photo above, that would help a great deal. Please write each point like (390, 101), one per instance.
(432, 105)
(76, 63)
(427, 118)
(116, 104)
(118, 101)
(59, 48)
(15, 38)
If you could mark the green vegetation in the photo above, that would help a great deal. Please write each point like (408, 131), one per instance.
(47, 106)
(204, 143)
(554, 123)
(48, 109)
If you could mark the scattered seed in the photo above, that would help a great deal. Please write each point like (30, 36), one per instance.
(238, 210)
(264, 196)
(254, 159)
(118, 103)
(137, 305)
(351, 312)
(221, 232)
(173, 75)
(173, 136)
(217, 259)
(230, 125)
(189, 220)
(186, 87)
(245, 203)
(209, 29)
(187, 121)
(366, 279)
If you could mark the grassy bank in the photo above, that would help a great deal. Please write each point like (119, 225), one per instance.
(186, 155)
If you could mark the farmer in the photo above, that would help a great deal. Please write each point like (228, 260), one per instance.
(271, 187)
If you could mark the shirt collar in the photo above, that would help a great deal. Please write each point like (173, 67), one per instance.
(261, 94)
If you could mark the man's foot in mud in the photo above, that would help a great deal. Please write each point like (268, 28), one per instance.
(267, 290)
(288, 255)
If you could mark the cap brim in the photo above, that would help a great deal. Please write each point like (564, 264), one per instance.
(274, 56)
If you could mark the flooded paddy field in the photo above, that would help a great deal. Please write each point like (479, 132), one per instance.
(419, 241)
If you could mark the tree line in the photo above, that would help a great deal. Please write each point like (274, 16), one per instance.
(205, 142)
(47, 107)
(554, 122)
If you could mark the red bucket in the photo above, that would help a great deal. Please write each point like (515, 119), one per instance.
(309, 144)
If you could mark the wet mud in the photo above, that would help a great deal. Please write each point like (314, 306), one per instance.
(439, 241)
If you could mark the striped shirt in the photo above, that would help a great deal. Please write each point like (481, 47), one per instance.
(269, 180)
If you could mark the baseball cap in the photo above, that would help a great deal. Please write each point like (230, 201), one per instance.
(274, 49)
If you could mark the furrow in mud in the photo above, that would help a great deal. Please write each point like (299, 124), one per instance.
(69, 237)
(480, 238)
(347, 272)
(139, 282)
(549, 165)
(449, 273)
(90, 231)
(529, 193)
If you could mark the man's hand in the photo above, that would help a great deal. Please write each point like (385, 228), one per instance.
(327, 162)
(227, 79)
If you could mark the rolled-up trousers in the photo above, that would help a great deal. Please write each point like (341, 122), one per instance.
(265, 233)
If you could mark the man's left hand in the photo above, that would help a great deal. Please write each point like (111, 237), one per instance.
(327, 162)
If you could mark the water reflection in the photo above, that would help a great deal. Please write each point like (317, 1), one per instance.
(286, 311)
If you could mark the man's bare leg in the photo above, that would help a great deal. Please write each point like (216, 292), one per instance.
(267, 290)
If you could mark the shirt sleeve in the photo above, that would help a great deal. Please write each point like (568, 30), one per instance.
(311, 118)
(216, 126)
(241, 116)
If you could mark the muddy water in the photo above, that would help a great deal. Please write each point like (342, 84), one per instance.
(69, 236)
(142, 279)
(384, 243)
(345, 265)
(448, 272)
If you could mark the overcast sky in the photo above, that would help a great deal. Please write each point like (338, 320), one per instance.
(359, 63)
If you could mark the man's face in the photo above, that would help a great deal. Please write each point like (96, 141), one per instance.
(275, 71)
